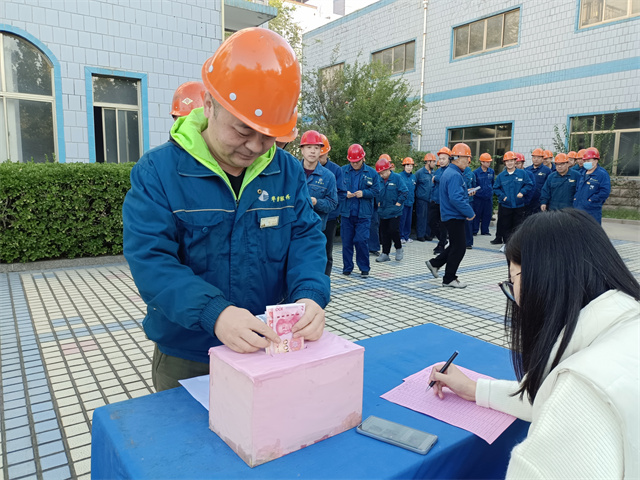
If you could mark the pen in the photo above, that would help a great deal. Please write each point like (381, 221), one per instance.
(444, 369)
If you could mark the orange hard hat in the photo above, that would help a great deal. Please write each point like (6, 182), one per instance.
(288, 138)
(311, 137)
(255, 76)
(485, 157)
(580, 153)
(187, 96)
(385, 156)
(444, 150)
(509, 156)
(429, 156)
(461, 150)
(571, 154)
(408, 161)
(383, 164)
(519, 157)
(355, 153)
(326, 148)
(561, 158)
(538, 152)
(591, 153)
(547, 154)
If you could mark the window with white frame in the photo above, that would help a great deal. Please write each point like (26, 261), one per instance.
(617, 137)
(117, 119)
(27, 104)
(492, 139)
(491, 33)
(594, 12)
(400, 58)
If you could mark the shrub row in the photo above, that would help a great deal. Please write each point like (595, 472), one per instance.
(57, 210)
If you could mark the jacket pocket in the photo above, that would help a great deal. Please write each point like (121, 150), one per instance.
(274, 232)
(202, 237)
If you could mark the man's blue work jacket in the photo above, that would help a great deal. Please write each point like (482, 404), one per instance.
(592, 190)
(435, 191)
(342, 191)
(194, 249)
(410, 180)
(559, 190)
(394, 190)
(540, 174)
(424, 185)
(454, 197)
(529, 195)
(470, 179)
(510, 185)
(485, 182)
(322, 186)
(369, 183)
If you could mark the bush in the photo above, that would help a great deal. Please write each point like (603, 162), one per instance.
(57, 210)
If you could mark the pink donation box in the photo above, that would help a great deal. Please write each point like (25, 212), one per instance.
(265, 406)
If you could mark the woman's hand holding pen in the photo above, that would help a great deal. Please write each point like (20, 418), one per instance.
(455, 380)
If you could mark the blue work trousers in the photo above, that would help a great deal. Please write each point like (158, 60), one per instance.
(374, 233)
(422, 219)
(405, 222)
(484, 209)
(468, 232)
(355, 233)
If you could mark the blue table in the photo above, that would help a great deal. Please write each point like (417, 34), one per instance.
(166, 435)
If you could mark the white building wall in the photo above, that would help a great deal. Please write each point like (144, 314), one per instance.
(554, 71)
(168, 40)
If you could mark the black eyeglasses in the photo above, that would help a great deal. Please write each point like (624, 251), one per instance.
(507, 288)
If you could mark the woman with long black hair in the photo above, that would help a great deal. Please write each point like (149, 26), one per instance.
(573, 322)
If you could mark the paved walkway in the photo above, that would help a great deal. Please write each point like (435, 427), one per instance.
(71, 340)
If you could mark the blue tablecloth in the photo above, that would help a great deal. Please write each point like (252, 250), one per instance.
(166, 435)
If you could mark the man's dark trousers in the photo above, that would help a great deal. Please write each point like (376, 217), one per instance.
(438, 228)
(330, 234)
(454, 253)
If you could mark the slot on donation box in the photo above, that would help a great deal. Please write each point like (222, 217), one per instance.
(265, 406)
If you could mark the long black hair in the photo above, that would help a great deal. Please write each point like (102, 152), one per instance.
(567, 261)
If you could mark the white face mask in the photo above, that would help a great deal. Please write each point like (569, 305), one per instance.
(588, 165)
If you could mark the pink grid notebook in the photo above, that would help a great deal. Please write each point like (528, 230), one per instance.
(486, 423)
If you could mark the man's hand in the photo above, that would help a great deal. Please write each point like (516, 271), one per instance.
(314, 201)
(520, 195)
(471, 218)
(358, 194)
(543, 208)
(239, 330)
(398, 204)
(349, 194)
(311, 324)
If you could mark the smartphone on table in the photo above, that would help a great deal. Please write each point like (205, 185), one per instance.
(397, 434)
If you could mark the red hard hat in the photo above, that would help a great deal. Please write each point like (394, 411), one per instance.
(444, 150)
(591, 153)
(355, 153)
(326, 148)
(408, 161)
(187, 96)
(461, 150)
(519, 157)
(509, 156)
(311, 137)
(429, 156)
(248, 64)
(538, 152)
(383, 164)
(485, 157)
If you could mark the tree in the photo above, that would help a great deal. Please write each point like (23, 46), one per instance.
(361, 103)
(285, 25)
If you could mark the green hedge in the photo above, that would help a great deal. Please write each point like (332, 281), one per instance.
(57, 210)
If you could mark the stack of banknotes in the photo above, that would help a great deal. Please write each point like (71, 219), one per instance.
(282, 318)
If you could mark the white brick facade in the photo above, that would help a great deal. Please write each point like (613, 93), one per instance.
(555, 70)
(166, 40)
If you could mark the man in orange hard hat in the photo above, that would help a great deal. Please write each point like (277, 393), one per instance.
(540, 173)
(438, 228)
(218, 223)
(187, 96)
(424, 186)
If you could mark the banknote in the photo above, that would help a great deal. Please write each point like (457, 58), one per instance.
(282, 318)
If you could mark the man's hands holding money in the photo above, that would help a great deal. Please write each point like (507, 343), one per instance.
(311, 324)
(240, 330)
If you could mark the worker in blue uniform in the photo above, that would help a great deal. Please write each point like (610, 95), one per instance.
(483, 201)
(407, 211)
(393, 194)
(363, 185)
(560, 188)
(593, 187)
(423, 197)
(438, 228)
(540, 173)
